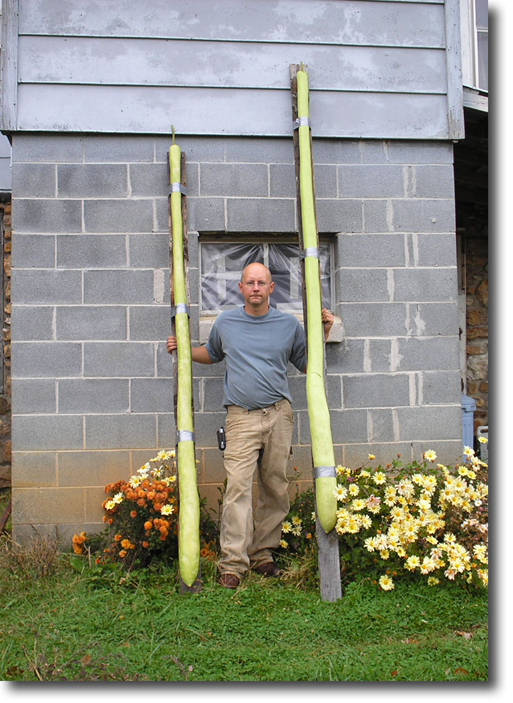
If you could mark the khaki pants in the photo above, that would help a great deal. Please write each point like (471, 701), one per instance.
(255, 440)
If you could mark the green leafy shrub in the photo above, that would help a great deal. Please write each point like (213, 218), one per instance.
(141, 517)
(405, 521)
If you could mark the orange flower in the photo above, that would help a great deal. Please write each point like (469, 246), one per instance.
(141, 503)
(163, 537)
(122, 553)
(78, 549)
(133, 513)
(110, 521)
(125, 544)
(148, 525)
(104, 518)
(151, 495)
(146, 545)
(157, 507)
(118, 538)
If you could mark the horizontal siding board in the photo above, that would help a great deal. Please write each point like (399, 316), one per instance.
(327, 21)
(228, 64)
(131, 109)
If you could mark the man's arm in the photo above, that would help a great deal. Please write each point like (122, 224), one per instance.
(199, 354)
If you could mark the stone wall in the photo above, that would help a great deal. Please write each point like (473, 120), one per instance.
(476, 247)
(5, 394)
(92, 389)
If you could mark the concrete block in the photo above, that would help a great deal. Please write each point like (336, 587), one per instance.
(48, 506)
(46, 359)
(151, 395)
(436, 249)
(376, 390)
(252, 150)
(150, 322)
(381, 427)
(148, 250)
(368, 250)
(434, 181)
(374, 151)
(93, 395)
(440, 387)
(115, 148)
(282, 181)
(374, 319)
(46, 287)
(118, 215)
(297, 389)
(334, 391)
(124, 287)
(206, 214)
(196, 149)
(96, 468)
(44, 432)
(44, 215)
(379, 355)
(429, 423)
(364, 285)
(355, 455)
(87, 251)
(118, 359)
(347, 357)
(339, 216)
(428, 354)
(34, 470)
(34, 180)
(213, 394)
(377, 216)
(206, 426)
(92, 180)
(417, 215)
(33, 251)
(93, 510)
(161, 223)
(120, 431)
(83, 322)
(448, 452)
(331, 151)
(31, 322)
(260, 215)
(36, 396)
(415, 152)
(325, 181)
(432, 319)
(51, 148)
(426, 285)
(348, 426)
(234, 180)
(166, 431)
(213, 467)
(370, 181)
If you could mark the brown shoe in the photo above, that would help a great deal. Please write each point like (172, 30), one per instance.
(267, 569)
(229, 581)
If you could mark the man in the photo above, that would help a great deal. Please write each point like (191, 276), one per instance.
(257, 342)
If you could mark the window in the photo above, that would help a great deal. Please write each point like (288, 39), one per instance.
(221, 264)
(474, 32)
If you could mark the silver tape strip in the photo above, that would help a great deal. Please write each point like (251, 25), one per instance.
(177, 188)
(310, 252)
(181, 307)
(184, 436)
(324, 471)
(301, 122)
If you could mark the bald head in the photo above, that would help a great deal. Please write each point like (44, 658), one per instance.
(256, 270)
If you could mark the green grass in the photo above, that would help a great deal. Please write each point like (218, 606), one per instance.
(101, 624)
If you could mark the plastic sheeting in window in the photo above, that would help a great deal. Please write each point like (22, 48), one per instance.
(222, 264)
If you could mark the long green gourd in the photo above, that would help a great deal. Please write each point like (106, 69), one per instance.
(188, 536)
(318, 411)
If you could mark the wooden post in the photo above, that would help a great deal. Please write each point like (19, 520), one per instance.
(195, 584)
(327, 543)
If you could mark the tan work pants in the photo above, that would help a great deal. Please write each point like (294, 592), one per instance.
(255, 440)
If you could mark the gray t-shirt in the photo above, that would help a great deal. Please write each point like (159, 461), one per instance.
(257, 352)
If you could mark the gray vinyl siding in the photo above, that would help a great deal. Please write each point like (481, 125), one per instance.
(378, 68)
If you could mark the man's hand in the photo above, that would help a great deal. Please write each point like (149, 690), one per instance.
(328, 320)
(199, 354)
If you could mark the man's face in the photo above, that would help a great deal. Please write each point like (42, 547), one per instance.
(256, 286)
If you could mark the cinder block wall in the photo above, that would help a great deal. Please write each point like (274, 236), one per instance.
(92, 391)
